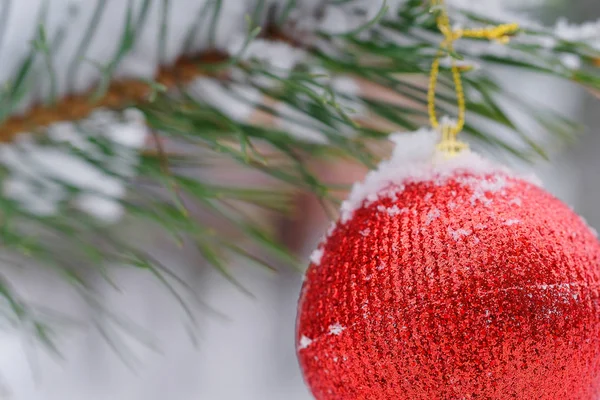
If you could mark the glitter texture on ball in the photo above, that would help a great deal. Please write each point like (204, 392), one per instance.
(452, 280)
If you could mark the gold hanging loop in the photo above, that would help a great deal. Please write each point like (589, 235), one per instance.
(449, 144)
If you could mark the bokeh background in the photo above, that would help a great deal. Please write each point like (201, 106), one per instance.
(243, 347)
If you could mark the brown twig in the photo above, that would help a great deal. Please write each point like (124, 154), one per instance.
(120, 94)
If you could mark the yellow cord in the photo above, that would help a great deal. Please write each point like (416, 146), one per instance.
(449, 144)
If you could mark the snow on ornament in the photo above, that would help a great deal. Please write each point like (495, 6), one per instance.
(484, 287)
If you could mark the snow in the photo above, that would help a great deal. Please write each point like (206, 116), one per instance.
(482, 186)
(432, 216)
(365, 232)
(335, 21)
(472, 65)
(280, 58)
(299, 124)
(39, 175)
(392, 211)
(141, 62)
(304, 342)
(499, 10)
(457, 234)
(186, 33)
(302, 126)
(415, 160)
(316, 256)
(336, 329)
(342, 17)
(331, 229)
(236, 101)
(571, 61)
(516, 201)
(20, 189)
(588, 32)
(263, 50)
(348, 91)
(512, 222)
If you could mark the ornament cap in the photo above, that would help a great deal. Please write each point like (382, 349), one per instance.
(449, 146)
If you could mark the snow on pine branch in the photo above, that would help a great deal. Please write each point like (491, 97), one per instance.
(85, 37)
(588, 32)
(40, 177)
(93, 33)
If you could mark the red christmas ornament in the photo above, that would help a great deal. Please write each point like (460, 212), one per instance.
(452, 281)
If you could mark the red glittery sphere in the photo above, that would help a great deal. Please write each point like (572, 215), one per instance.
(468, 287)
